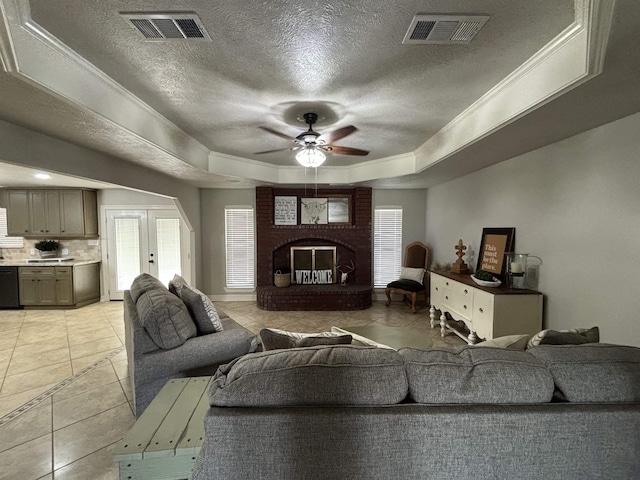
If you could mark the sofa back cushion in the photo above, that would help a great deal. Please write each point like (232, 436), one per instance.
(321, 375)
(593, 373)
(143, 283)
(470, 375)
(165, 318)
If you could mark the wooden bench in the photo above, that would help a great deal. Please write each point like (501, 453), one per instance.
(164, 442)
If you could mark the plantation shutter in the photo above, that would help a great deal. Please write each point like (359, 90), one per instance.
(387, 245)
(240, 247)
(5, 240)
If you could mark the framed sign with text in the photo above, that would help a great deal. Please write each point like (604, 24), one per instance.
(495, 243)
(285, 210)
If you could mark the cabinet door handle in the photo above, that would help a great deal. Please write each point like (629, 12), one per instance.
(466, 291)
(437, 289)
(446, 283)
(464, 306)
(481, 310)
(446, 297)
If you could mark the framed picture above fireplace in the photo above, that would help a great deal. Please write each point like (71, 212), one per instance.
(313, 211)
(339, 210)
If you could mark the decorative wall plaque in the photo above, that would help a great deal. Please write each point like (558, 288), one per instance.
(285, 210)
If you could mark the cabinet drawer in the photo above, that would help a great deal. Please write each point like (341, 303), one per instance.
(458, 302)
(459, 289)
(63, 271)
(36, 271)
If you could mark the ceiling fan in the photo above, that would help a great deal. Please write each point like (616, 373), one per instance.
(312, 145)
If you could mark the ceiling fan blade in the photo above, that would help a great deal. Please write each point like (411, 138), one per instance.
(279, 134)
(277, 150)
(345, 150)
(338, 134)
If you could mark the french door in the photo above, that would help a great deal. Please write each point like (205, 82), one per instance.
(142, 241)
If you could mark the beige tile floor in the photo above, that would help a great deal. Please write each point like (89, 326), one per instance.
(65, 398)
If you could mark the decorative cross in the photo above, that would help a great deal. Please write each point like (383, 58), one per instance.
(460, 249)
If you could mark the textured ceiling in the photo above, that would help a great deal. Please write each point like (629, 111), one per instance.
(269, 62)
(267, 56)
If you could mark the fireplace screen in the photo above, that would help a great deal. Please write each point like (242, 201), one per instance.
(313, 265)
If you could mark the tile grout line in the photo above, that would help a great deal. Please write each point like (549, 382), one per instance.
(56, 388)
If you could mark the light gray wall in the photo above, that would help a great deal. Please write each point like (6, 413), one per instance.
(575, 204)
(413, 211)
(123, 196)
(213, 202)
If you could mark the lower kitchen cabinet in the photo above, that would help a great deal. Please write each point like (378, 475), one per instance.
(67, 286)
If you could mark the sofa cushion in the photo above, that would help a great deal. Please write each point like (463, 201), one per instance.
(471, 375)
(176, 284)
(575, 336)
(165, 318)
(143, 283)
(408, 285)
(273, 339)
(593, 373)
(510, 342)
(202, 310)
(324, 375)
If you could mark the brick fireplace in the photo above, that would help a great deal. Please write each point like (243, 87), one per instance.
(352, 241)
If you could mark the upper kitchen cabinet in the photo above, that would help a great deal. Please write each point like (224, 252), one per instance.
(52, 213)
(44, 212)
(78, 213)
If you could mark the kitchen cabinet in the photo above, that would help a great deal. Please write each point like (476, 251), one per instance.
(53, 213)
(18, 213)
(44, 212)
(37, 286)
(64, 286)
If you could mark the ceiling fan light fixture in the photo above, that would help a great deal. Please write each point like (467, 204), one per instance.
(310, 156)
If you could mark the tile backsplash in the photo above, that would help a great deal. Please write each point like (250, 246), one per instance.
(78, 249)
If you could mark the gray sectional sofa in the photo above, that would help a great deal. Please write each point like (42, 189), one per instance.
(163, 341)
(327, 412)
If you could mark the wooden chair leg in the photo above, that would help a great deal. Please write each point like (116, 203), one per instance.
(426, 298)
(387, 291)
(413, 302)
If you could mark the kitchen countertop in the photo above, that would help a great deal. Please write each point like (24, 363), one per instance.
(54, 263)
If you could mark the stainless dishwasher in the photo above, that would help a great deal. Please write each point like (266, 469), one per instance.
(9, 297)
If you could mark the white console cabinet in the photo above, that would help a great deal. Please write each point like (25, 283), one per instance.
(487, 312)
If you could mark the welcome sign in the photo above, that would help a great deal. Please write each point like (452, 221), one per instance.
(314, 277)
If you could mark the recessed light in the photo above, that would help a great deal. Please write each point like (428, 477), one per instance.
(42, 176)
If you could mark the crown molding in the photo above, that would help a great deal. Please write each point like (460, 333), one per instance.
(573, 57)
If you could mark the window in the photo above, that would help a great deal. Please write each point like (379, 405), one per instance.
(387, 245)
(240, 247)
(5, 241)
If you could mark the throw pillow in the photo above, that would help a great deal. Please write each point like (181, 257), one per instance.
(415, 274)
(510, 342)
(273, 339)
(202, 310)
(176, 285)
(143, 283)
(165, 318)
(574, 336)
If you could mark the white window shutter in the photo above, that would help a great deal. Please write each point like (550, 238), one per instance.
(387, 245)
(240, 247)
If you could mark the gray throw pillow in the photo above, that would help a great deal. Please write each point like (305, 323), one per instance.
(575, 336)
(143, 283)
(165, 318)
(202, 310)
(510, 342)
(273, 339)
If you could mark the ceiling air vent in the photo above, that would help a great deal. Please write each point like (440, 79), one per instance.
(163, 27)
(444, 29)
